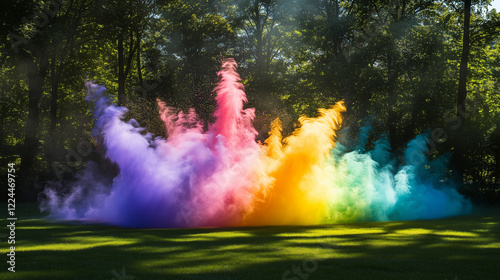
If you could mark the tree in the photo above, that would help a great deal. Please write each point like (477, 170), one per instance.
(29, 44)
(462, 92)
(126, 21)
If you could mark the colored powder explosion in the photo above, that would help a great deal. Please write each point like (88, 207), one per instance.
(223, 177)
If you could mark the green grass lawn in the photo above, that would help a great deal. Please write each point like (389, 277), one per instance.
(459, 248)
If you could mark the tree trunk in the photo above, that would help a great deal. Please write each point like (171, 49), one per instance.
(392, 116)
(52, 142)
(460, 140)
(124, 68)
(138, 61)
(121, 71)
(36, 76)
(130, 57)
(258, 36)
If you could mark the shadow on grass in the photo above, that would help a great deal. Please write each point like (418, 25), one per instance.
(466, 247)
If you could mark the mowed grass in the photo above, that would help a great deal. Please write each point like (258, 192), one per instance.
(466, 247)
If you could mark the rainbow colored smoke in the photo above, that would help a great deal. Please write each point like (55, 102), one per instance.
(223, 177)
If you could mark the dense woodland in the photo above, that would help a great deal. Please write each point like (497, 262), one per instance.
(405, 67)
